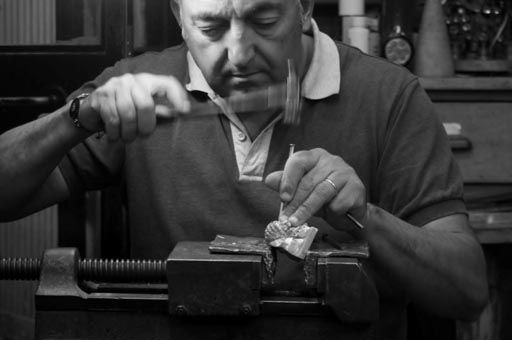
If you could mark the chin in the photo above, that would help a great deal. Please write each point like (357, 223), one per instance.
(245, 87)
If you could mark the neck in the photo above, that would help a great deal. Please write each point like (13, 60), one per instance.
(308, 47)
(255, 122)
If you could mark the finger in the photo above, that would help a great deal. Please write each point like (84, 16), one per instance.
(324, 167)
(127, 113)
(103, 100)
(177, 95)
(168, 89)
(273, 180)
(163, 109)
(322, 193)
(351, 198)
(295, 168)
(145, 110)
(307, 186)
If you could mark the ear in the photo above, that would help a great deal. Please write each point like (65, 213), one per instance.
(175, 7)
(307, 14)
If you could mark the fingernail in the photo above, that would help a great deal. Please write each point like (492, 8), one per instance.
(293, 220)
(286, 197)
(283, 218)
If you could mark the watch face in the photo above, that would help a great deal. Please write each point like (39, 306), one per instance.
(398, 50)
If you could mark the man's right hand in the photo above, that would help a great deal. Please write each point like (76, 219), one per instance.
(126, 107)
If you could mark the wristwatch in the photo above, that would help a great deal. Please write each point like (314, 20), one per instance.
(74, 110)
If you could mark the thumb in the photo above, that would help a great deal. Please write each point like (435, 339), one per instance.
(164, 108)
(273, 180)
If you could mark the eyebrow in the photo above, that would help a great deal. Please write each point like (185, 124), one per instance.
(256, 9)
(266, 6)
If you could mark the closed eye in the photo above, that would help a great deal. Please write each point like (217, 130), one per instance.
(265, 23)
(212, 31)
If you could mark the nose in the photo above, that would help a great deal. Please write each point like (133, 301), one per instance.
(240, 45)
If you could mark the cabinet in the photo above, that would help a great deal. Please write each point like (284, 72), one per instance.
(45, 59)
(477, 113)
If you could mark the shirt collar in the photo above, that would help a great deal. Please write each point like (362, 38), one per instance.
(323, 77)
(321, 80)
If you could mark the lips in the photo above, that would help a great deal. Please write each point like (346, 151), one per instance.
(244, 75)
(246, 80)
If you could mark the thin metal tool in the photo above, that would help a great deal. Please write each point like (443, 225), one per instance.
(356, 222)
(290, 153)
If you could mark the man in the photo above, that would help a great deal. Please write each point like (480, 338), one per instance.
(368, 144)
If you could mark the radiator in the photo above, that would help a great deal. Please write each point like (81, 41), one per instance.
(27, 22)
(27, 237)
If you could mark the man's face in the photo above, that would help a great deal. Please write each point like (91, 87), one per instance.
(242, 44)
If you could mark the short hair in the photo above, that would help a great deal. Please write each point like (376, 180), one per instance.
(299, 2)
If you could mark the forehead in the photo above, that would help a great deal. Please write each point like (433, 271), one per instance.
(228, 8)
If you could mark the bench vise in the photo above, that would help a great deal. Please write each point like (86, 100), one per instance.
(197, 293)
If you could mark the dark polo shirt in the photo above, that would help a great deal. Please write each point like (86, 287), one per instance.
(182, 182)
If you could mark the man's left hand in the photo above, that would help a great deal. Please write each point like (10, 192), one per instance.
(314, 178)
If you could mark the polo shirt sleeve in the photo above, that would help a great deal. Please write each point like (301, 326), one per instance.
(418, 178)
(92, 165)
(95, 163)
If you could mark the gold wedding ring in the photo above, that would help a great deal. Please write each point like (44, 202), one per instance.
(328, 180)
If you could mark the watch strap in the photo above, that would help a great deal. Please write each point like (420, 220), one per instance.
(74, 110)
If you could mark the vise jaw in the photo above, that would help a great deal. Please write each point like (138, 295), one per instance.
(202, 283)
(205, 284)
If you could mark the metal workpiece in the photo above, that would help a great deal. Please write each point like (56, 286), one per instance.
(228, 244)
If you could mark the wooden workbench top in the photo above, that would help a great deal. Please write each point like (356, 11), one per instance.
(468, 83)
(492, 227)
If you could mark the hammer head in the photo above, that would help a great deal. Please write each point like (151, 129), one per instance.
(284, 96)
(293, 97)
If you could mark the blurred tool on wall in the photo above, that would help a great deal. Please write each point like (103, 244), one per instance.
(480, 34)
(396, 28)
(433, 53)
(357, 28)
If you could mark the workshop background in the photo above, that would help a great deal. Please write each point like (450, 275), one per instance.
(461, 49)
